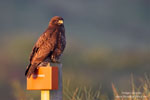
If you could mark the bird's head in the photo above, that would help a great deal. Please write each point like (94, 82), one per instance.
(56, 21)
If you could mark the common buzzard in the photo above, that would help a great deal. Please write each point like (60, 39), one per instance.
(50, 45)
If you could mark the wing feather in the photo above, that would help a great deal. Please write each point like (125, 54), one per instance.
(40, 51)
(40, 42)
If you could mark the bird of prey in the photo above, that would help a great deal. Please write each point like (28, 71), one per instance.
(50, 45)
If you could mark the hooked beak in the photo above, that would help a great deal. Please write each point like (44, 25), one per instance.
(60, 22)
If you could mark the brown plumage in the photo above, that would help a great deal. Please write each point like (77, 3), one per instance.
(50, 45)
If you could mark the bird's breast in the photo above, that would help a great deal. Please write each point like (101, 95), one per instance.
(52, 39)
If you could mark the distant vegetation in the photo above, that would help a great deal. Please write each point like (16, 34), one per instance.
(86, 68)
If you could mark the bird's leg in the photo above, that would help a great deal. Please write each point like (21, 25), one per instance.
(55, 59)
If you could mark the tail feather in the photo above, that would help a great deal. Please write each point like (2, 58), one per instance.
(27, 70)
(30, 70)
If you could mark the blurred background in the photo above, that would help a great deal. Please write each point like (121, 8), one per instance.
(107, 42)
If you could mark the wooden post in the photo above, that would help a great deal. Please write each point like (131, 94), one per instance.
(45, 95)
(57, 94)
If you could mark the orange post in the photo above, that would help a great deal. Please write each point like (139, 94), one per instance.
(45, 78)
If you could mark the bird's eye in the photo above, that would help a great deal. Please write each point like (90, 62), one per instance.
(55, 21)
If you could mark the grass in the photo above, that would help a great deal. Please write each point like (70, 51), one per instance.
(141, 92)
(74, 92)
(82, 93)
